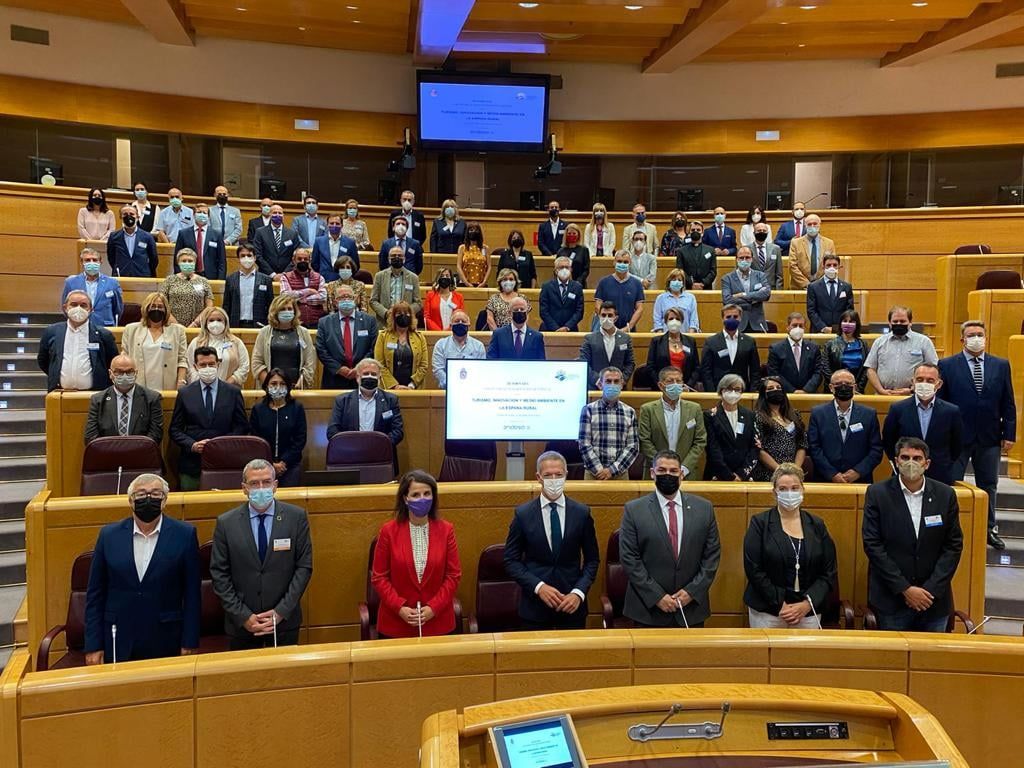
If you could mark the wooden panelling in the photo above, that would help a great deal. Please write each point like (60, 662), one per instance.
(1003, 314)
(956, 278)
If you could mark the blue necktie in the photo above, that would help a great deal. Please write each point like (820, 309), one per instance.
(223, 222)
(556, 530)
(209, 401)
(261, 536)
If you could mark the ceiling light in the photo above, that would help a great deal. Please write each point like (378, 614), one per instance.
(919, 5)
(632, 7)
(783, 23)
(808, 7)
(352, 7)
(528, 5)
(356, 21)
(302, 29)
(243, 10)
(802, 45)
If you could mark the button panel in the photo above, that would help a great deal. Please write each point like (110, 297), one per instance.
(829, 731)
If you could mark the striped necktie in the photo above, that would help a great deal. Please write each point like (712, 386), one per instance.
(122, 415)
(979, 378)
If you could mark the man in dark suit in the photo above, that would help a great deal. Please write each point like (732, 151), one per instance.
(912, 537)
(748, 289)
(143, 599)
(90, 349)
(596, 345)
(720, 237)
(844, 440)
(131, 251)
(730, 352)
(410, 246)
(561, 299)
(261, 563)
(368, 408)
(697, 259)
(766, 256)
(212, 260)
(415, 223)
(248, 292)
(517, 341)
(275, 244)
(343, 338)
(669, 547)
(552, 552)
(828, 297)
(203, 409)
(791, 229)
(549, 233)
(794, 360)
(263, 220)
(926, 417)
(125, 408)
(331, 247)
(979, 384)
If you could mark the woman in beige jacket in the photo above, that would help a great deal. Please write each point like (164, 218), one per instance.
(283, 343)
(215, 332)
(158, 349)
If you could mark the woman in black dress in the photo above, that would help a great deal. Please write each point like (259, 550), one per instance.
(732, 452)
(781, 435)
(281, 421)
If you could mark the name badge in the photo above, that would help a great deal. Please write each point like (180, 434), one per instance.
(362, 332)
(342, 250)
(408, 287)
(109, 294)
(262, 287)
(723, 353)
(282, 545)
(757, 287)
(392, 345)
(166, 346)
(740, 427)
(930, 521)
(199, 288)
(842, 294)
(211, 245)
(387, 414)
(572, 256)
(687, 350)
(140, 246)
(622, 347)
(571, 295)
(521, 258)
(92, 345)
(916, 352)
(791, 428)
(856, 427)
(691, 424)
(287, 243)
(302, 343)
(707, 257)
(226, 345)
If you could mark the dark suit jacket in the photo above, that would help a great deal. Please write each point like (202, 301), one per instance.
(781, 363)
(945, 434)
(443, 241)
(547, 242)
(557, 313)
(50, 356)
(653, 568)
(502, 345)
(657, 358)
(580, 258)
(592, 350)
(898, 559)
(787, 232)
(768, 554)
(262, 296)
(156, 617)
(247, 585)
(255, 224)
(189, 422)
(529, 559)
(990, 416)
(419, 224)
(321, 257)
(269, 258)
(388, 419)
(862, 450)
(698, 262)
(523, 265)
(728, 240)
(728, 453)
(146, 417)
(753, 300)
(142, 263)
(214, 256)
(714, 365)
(823, 312)
(330, 346)
(413, 254)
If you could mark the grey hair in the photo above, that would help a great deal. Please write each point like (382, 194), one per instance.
(367, 361)
(610, 369)
(255, 466)
(971, 324)
(148, 477)
(551, 456)
(78, 293)
(730, 380)
(564, 259)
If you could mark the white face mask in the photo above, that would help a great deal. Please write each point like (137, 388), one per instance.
(756, 218)
(247, 262)
(975, 344)
(798, 214)
(407, 205)
(553, 486)
(675, 326)
(831, 273)
(207, 375)
(215, 327)
(564, 274)
(790, 499)
(924, 390)
(731, 396)
(638, 246)
(508, 285)
(796, 333)
(78, 315)
(607, 322)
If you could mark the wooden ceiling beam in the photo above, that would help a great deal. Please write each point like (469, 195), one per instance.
(989, 20)
(165, 20)
(703, 29)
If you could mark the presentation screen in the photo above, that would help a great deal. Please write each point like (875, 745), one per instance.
(482, 112)
(547, 743)
(515, 399)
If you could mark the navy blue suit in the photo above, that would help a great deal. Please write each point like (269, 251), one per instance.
(529, 560)
(321, 257)
(141, 263)
(944, 434)
(50, 357)
(190, 422)
(547, 242)
(502, 346)
(556, 312)
(413, 254)
(728, 240)
(109, 300)
(215, 262)
(787, 231)
(824, 312)
(862, 450)
(156, 617)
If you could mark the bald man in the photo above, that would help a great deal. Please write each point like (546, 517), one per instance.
(125, 408)
(807, 253)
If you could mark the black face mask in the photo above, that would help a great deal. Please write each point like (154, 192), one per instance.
(553, 213)
(147, 510)
(760, 236)
(403, 321)
(519, 317)
(97, 201)
(517, 242)
(396, 263)
(302, 266)
(679, 223)
(775, 397)
(129, 221)
(899, 330)
(843, 392)
(460, 329)
(444, 283)
(222, 199)
(667, 485)
(156, 315)
(368, 383)
(695, 237)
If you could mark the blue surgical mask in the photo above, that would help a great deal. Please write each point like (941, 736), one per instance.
(346, 305)
(92, 268)
(345, 274)
(265, 210)
(673, 391)
(140, 194)
(176, 202)
(641, 218)
(719, 218)
(202, 218)
(812, 231)
(188, 267)
(261, 498)
(731, 323)
(743, 264)
(420, 507)
(611, 391)
(352, 212)
(621, 267)
(449, 212)
(286, 316)
(310, 208)
(675, 285)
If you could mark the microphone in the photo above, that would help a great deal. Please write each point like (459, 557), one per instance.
(419, 618)
(113, 641)
(646, 730)
(273, 616)
(814, 613)
(683, 614)
(820, 194)
(984, 621)
(117, 490)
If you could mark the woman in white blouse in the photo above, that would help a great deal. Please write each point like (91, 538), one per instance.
(599, 236)
(214, 332)
(157, 347)
(754, 216)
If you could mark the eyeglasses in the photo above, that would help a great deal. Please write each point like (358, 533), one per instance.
(158, 495)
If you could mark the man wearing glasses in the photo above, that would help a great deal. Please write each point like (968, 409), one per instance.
(143, 600)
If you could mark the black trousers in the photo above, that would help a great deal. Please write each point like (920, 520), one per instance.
(247, 642)
(576, 620)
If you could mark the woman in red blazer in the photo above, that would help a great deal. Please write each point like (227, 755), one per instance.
(443, 292)
(416, 562)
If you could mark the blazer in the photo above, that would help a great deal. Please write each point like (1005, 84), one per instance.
(247, 585)
(768, 555)
(580, 258)
(898, 559)
(653, 432)
(109, 304)
(989, 417)
(782, 363)
(443, 241)
(800, 260)
(388, 418)
(502, 345)
(384, 352)
(529, 558)
(862, 450)
(653, 568)
(413, 254)
(823, 312)
(522, 264)
(283, 429)
(330, 346)
(593, 351)
(307, 355)
(556, 312)
(254, 224)
(944, 439)
(714, 361)
(773, 263)
(726, 242)
(728, 453)
(753, 303)
(270, 259)
(50, 356)
(232, 230)
(657, 358)
(393, 575)
(146, 416)
(321, 257)
(786, 233)
(418, 231)
(189, 422)
(132, 344)
(142, 263)
(432, 308)
(610, 244)
(547, 242)
(380, 295)
(262, 296)
(214, 255)
(832, 361)
(301, 224)
(698, 262)
(156, 617)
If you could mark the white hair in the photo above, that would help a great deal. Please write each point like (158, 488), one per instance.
(148, 477)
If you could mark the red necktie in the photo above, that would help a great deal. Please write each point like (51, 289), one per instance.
(673, 528)
(797, 228)
(346, 325)
(199, 249)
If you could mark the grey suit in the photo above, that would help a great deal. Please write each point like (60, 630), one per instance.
(146, 416)
(773, 263)
(652, 570)
(330, 346)
(247, 586)
(752, 303)
(593, 351)
(232, 219)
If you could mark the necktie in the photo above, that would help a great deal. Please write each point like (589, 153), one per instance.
(720, 233)
(277, 238)
(208, 400)
(261, 536)
(796, 355)
(401, 244)
(346, 334)
(519, 343)
(199, 249)
(796, 228)
(561, 287)
(832, 289)
(814, 256)
(760, 257)
(223, 221)
(842, 426)
(122, 416)
(556, 530)
(673, 528)
(979, 379)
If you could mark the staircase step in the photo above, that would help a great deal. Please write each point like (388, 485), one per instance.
(1004, 627)
(14, 400)
(25, 446)
(10, 601)
(1011, 522)
(13, 362)
(13, 422)
(32, 318)
(22, 468)
(12, 535)
(15, 496)
(1012, 555)
(20, 346)
(20, 381)
(12, 568)
(19, 331)
(1004, 592)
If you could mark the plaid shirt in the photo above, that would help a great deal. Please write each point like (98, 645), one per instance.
(608, 436)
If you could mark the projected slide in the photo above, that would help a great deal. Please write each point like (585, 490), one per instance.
(466, 112)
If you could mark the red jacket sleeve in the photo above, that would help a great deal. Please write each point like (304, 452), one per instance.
(452, 574)
(381, 573)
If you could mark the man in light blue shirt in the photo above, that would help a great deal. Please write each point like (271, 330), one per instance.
(225, 219)
(309, 225)
(172, 218)
(104, 291)
(459, 346)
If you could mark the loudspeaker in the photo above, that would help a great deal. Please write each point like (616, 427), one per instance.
(532, 201)
(778, 200)
(275, 189)
(690, 200)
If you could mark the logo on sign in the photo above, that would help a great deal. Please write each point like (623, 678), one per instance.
(463, 373)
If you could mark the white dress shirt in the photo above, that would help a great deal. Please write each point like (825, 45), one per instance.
(732, 344)
(671, 422)
(733, 417)
(144, 545)
(76, 366)
(609, 343)
(913, 499)
(678, 499)
(246, 291)
(545, 513)
(367, 412)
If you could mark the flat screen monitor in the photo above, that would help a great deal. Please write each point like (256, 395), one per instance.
(546, 743)
(515, 399)
(482, 112)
